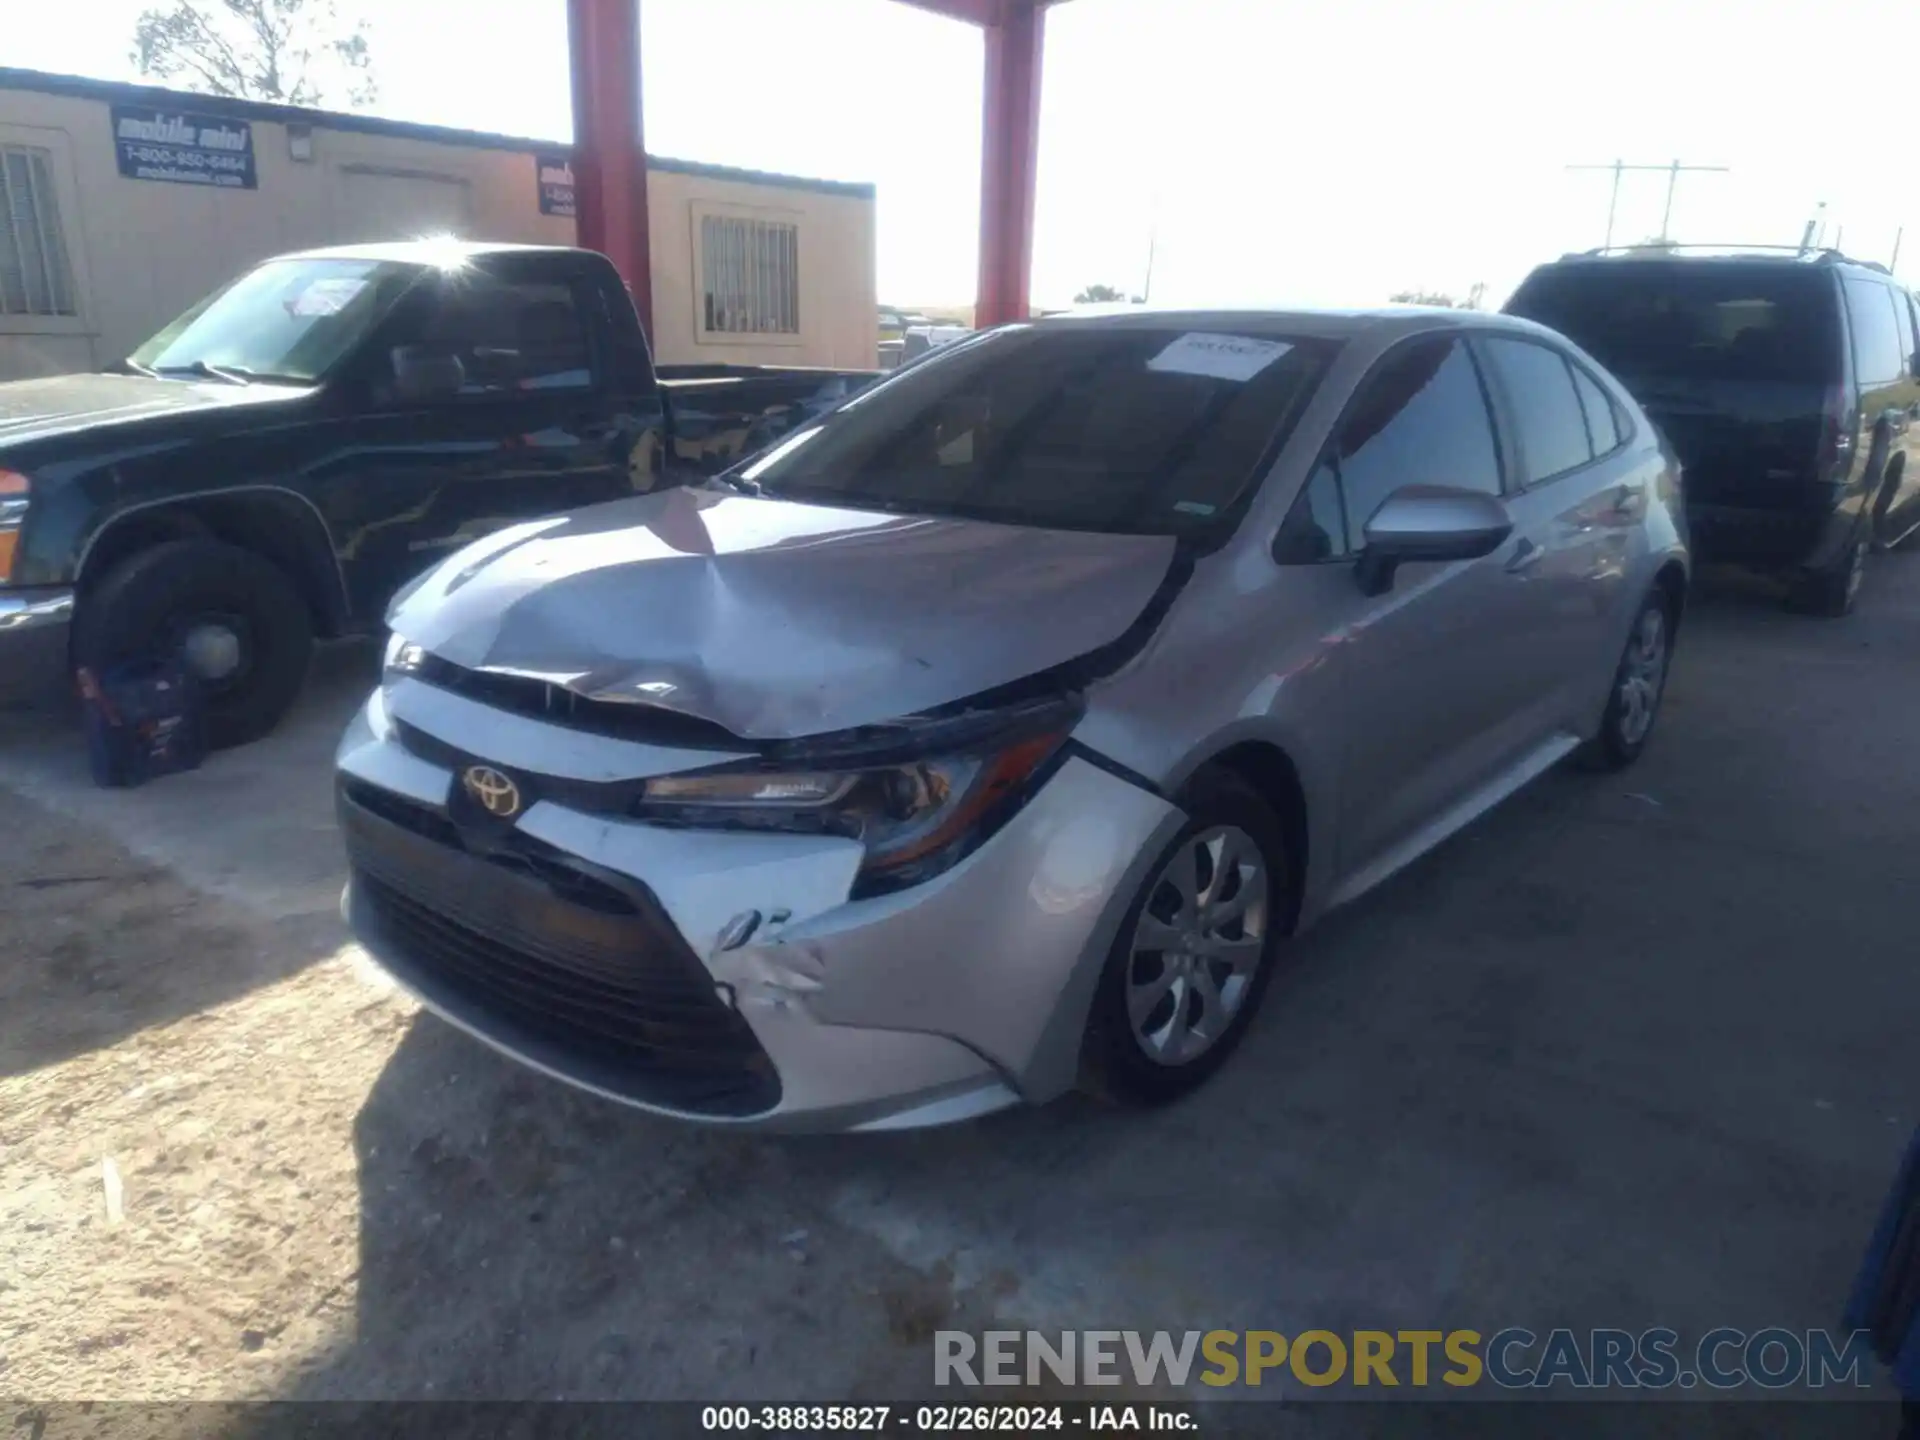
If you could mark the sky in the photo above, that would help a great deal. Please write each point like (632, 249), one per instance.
(1262, 151)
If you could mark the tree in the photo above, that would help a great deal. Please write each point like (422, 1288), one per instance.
(1425, 297)
(298, 52)
(1097, 295)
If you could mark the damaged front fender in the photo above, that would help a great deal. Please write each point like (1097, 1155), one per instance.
(1000, 953)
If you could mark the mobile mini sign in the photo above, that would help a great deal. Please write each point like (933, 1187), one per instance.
(184, 147)
(556, 184)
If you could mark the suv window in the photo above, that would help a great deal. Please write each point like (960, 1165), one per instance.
(1547, 413)
(1697, 320)
(1905, 323)
(512, 335)
(1419, 419)
(1878, 352)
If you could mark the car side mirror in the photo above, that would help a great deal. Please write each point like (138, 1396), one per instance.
(422, 373)
(1429, 523)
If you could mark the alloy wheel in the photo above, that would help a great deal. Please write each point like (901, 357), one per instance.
(1197, 946)
(1643, 675)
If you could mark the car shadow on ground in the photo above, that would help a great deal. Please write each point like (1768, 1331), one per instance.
(103, 915)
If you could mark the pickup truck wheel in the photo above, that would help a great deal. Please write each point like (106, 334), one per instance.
(233, 619)
(1832, 592)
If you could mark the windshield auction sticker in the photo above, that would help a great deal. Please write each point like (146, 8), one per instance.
(1218, 357)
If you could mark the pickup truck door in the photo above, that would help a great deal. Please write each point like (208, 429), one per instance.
(536, 426)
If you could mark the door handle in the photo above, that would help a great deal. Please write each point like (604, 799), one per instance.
(1525, 556)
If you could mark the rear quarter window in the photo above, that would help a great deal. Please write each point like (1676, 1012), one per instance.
(1700, 320)
(1879, 349)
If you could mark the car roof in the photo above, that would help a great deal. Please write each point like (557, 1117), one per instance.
(1383, 322)
(439, 251)
(1766, 256)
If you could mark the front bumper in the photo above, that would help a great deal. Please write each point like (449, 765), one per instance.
(33, 644)
(591, 948)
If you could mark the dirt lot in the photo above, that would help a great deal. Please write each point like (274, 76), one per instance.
(1629, 1052)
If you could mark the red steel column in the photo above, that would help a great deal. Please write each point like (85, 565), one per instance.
(1009, 148)
(609, 152)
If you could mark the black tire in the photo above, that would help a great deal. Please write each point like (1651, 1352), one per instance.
(145, 606)
(1114, 1063)
(1831, 593)
(1618, 743)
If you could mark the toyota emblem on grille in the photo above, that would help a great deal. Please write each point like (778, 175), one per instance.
(498, 795)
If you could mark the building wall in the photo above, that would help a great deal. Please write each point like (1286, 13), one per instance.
(141, 251)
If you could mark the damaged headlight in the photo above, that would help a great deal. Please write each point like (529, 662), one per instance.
(915, 817)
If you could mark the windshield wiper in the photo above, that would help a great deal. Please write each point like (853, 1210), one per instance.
(129, 363)
(232, 374)
(738, 483)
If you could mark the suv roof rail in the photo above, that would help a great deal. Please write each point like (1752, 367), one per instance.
(1821, 255)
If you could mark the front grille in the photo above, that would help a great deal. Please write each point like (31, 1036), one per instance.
(569, 969)
(558, 705)
(409, 814)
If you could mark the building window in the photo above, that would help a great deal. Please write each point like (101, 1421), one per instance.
(34, 276)
(750, 274)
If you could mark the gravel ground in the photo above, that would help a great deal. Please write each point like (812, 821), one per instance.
(309, 1190)
(1631, 1051)
(172, 1186)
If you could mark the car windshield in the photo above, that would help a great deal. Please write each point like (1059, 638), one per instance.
(1064, 425)
(289, 320)
(1721, 321)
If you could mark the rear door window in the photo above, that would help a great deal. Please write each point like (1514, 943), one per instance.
(1546, 408)
(1699, 320)
(1879, 355)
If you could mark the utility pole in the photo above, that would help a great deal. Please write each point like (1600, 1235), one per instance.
(1894, 264)
(1672, 170)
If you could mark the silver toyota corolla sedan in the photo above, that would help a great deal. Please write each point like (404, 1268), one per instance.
(995, 733)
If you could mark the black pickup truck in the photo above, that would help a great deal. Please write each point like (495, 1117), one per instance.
(271, 467)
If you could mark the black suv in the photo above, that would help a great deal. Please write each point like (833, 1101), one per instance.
(1788, 383)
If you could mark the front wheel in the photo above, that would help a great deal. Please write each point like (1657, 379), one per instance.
(1639, 684)
(233, 620)
(1196, 950)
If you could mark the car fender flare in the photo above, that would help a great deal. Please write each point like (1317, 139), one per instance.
(331, 573)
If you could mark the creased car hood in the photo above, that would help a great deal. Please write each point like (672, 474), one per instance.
(778, 620)
(37, 409)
